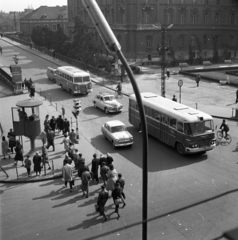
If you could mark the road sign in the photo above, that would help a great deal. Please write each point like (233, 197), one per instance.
(180, 83)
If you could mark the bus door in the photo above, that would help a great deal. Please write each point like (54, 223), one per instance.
(172, 131)
(164, 136)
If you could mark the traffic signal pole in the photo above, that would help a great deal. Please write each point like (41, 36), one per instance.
(163, 64)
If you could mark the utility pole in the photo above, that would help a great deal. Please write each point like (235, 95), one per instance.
(163, 64)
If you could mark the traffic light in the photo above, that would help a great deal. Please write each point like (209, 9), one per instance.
(76, 108)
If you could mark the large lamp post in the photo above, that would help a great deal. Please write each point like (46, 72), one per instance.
(114, 47)
(163, 62)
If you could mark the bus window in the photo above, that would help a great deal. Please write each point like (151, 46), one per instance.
(180, 127)
(172, 122)
(148, 111)
(78, 79)
(165, 119)
(86, 79)
(187, 129)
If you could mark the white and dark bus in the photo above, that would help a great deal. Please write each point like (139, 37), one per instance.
(184, 128)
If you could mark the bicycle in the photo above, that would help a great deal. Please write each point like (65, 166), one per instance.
(118, 95)
(220, 136)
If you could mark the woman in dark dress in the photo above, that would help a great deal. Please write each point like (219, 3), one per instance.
(19, 153)
(37, 163)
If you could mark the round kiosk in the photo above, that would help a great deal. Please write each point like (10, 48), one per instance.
(26, 119)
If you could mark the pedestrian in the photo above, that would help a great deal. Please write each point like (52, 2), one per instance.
(66, 126)
(82, 167)
(76, 159)
(101, 202)
(5, 147)
(60, 123)
(45, 157)
(52, 123)
(112, 177)
(121, 182)
(12, 139)
(68, 174)
(94, 168)
(66, 142)
(236, 96)
(117, 198)
(43, 137)
(168, 73)
(73, 137)
(0, 49)
(198, 78)
(109, 159)
(85, 182)
(71, 151)
(19, 153)
(103, 159)
(28, 165)
(37, 163)
(103, 172)
(174, 98)
(51, 139)
(32, 91)
(46, 123)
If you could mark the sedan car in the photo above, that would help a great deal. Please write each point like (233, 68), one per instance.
(115, 131)
(107, 102)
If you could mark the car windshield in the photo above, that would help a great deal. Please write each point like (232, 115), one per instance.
(118, 129)
(108, 98)
(198, 128)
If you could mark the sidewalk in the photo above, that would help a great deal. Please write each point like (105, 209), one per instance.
(56, 157)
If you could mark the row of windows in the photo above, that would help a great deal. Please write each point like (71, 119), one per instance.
(161, 117)
(65, 76)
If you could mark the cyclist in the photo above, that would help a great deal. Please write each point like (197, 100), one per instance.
(119, 88)
(225, 128)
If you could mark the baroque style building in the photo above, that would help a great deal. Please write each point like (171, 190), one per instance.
(199, 26)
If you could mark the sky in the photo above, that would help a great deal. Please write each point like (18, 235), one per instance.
(20, 5)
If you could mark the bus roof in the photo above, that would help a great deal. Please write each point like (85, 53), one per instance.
(172, 108)
(73, 71)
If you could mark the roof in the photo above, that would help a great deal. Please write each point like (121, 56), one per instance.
(45, 12)
(73, 71)
(115, 123)
(105, 94)
(171, 108)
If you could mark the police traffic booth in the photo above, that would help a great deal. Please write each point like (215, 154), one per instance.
(16, 78)
(26, 119)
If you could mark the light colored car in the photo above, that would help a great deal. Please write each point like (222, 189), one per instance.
(115, 131)
(107, 102)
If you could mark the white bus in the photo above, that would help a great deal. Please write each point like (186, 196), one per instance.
(73, 80)
(188, 130)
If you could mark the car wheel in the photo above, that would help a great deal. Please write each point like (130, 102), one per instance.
(180, 148)
(114, 144)
(106, 110)
(95, 105)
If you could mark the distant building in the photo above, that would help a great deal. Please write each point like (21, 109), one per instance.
(51, 17)
(201, 25)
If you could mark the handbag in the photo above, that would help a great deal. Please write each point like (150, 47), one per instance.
(117, 201)
(96, 208)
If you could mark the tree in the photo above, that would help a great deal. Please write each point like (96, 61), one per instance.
(59, 41)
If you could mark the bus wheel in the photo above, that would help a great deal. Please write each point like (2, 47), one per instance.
(180, 148)
(106, 110)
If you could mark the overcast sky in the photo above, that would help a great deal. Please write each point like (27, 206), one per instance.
(20, 5)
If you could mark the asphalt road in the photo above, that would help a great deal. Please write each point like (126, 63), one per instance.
(192, 197)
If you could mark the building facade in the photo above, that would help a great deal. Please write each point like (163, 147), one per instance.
(199, 26)
(51, 17)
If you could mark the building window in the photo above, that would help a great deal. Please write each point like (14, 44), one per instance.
(182, 19)
(205, 19)
(182, 1)
(54, 28)
(46, 25)
(148, 42)
(218, 2)
(194, 2)
(217, 18)
(206, 2)
(181, 41)
(205, 40)
(169, 18)
(193, 19)
(231, 40)
(232, 18)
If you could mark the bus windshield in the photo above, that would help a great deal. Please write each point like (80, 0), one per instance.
(198, 128)
(86, 79)
(78, 79)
